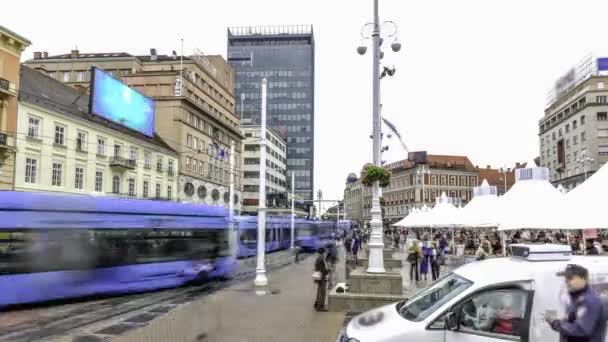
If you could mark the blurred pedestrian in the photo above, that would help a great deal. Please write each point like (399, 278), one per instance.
(354, 249)
(320, 277)
(426, 260)
(412, 258)
(332, 260)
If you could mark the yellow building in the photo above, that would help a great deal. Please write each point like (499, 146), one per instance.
(63, 148)
(11, 47)
(195, 111)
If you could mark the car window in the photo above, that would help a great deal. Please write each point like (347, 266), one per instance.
(426, 302)
(499, 312)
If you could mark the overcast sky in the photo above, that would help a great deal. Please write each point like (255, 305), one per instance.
(471, 79)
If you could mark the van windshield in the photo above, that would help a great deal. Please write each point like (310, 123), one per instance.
(424, 303)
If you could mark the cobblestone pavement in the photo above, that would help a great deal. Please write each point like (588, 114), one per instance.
(101, 319)
(237, 314)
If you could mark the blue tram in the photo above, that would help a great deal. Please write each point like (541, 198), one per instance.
(309, 234)
(59, 246)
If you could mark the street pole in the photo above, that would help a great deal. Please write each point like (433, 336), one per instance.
(261, 281)
(293, 212)
(376, 243)
(231, 201)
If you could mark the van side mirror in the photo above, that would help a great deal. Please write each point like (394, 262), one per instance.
(451, 321)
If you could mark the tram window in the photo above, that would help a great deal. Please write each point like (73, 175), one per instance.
(27, 252)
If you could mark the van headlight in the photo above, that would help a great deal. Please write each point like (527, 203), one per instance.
(352, 339)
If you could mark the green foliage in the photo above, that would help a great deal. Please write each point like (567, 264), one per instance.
(371, 173)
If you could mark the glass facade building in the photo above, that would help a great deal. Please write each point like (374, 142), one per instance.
(285, 57)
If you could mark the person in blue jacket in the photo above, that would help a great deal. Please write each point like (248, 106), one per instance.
(585, 314)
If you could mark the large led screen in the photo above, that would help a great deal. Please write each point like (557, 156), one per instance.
(113, 100)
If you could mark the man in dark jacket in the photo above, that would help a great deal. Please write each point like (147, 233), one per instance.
(321, 267)
(585, 318)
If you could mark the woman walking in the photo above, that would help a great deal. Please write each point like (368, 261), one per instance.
(426, 258)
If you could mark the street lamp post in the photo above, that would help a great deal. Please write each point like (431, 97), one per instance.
(376, 243)
(261, 281)
(293, 213)
(504, 171)
(233, 241)
(584, 161)
(421, 174)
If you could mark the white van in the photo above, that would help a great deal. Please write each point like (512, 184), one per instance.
(501, 299)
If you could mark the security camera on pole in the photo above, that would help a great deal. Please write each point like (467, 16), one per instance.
(261, 282)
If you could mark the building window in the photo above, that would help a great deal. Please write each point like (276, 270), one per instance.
(157, 190)
(101, 146)
(574, 124)
(582, 120)
(567, 128)
(559, 132)
(452, 180)
(133, 154)
(159, 164)
(567, 143)
(194, 165)
(81, 141)
(201, 167)
(98, 181)
(583, 136)
(131, 184)
(602, 116)
(146, 189)
(189, 140)
(443, 180)
(574, 140)
(170, 168)
(66, 76)
(147, 157)
(80, 76)
(116, 185)
(169, 191)
(187, 163)
(33, 129)
(56, 174)
(117, 150)
(79, 178)
(31, 169)
(59, 134)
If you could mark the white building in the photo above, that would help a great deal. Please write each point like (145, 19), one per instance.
(63, 148)
(276, 181)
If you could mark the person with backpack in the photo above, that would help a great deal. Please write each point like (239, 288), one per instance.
(320, 278)
(586, 314)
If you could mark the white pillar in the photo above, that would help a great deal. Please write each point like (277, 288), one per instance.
(293, 213)
(234, 237)
(260, 272)
(376, 243)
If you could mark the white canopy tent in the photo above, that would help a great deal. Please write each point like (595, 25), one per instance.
(479, 212)
(443, 214)
(532, 202)
(585, 205)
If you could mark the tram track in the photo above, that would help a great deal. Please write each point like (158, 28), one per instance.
(85, 321)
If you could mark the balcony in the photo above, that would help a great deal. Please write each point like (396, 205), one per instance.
(7, 87)
(121, 162)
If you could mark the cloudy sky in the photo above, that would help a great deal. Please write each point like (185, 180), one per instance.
(472, 77)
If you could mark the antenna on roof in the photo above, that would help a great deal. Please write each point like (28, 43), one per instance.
(82, 92)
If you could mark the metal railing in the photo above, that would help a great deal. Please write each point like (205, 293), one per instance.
(122, 162)
(5, 84)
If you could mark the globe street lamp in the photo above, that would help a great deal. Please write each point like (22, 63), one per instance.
(421, 174)
(584, 161)
(390, 29)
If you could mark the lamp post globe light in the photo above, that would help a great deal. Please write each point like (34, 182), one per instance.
(421, 174)
(584, 161)
(376, 243)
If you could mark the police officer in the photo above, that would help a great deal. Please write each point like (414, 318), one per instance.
(585, 319)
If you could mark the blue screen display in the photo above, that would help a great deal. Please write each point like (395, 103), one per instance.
(113, 100)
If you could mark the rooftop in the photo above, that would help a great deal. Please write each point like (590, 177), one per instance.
(279, 30)
(41, 90)
(18, 36)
